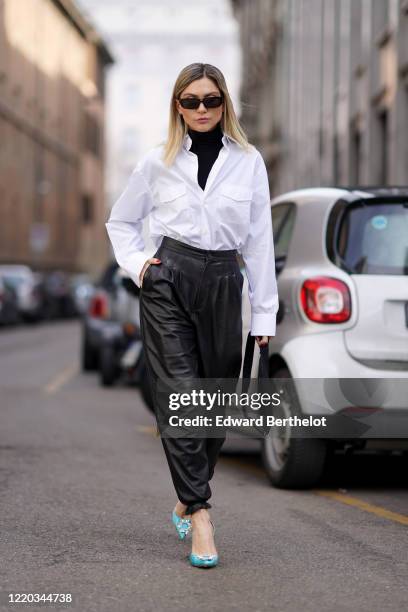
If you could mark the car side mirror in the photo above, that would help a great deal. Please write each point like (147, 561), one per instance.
(130, 286)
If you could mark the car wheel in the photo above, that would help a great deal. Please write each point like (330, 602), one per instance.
(108, 366)
(292, 463)
(89, 356)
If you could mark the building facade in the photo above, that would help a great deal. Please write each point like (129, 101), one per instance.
(52, 153)
(325, 89)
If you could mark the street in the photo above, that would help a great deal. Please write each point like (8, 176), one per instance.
(87, 496)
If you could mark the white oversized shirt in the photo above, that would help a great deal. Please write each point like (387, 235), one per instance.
(232, 212)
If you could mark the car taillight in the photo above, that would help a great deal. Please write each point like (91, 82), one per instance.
(98, 306)
(129, 329)
(325, 300)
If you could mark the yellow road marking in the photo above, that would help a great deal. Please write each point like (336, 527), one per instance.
(341, 497)
(366, 506)
(345, 499)
(61, 379)
(149, 429)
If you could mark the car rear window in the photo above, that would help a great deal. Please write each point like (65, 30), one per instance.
(13, 280)
(373, 238)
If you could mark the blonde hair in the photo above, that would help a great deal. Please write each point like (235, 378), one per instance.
(178, 128)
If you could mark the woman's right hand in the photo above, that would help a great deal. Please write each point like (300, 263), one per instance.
(152, 260)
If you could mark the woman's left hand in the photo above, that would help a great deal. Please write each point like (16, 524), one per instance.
(263, 340)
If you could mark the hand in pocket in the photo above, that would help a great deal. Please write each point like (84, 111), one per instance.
(148, 262)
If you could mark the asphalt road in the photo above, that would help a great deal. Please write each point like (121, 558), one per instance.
(86, 500)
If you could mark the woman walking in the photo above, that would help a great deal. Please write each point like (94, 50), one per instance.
(206, 193)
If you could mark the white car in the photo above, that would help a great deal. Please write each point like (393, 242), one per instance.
(26, 285)
(342, 264)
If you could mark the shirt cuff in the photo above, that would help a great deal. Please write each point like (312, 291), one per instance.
(263, 324)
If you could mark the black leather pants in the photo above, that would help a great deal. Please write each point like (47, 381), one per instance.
(191, 325)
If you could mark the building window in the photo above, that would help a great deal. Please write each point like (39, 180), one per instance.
(87, 208)
(405, 152)
(355, 157)
(383, 125)
(380, 17)
(336, 159)
(91, 135)
(356, 34)
(100, 77)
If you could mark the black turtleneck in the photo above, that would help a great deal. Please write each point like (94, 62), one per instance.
(206, 145)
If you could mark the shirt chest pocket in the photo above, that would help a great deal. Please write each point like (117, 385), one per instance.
(234, 205)
(173, 204)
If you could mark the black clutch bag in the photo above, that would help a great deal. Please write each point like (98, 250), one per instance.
(263, 369)
(263, 377)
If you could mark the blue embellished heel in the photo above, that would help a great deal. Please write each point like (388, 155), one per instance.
(183, 525)
(204, 560)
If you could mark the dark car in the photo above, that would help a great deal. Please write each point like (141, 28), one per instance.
(9, 314)
(111, 340)
(57, 295)
(120, 339)
(95, 317)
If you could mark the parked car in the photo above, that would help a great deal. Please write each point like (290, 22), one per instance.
(81, 289)
(111, 340)
(94, 318)
(341, 263)
(26, 285)
(9, 314)
(59, 302)
(120, 340)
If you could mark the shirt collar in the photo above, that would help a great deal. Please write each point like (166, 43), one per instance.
(225, 140)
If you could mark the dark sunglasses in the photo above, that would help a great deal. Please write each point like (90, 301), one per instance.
(194, 103)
